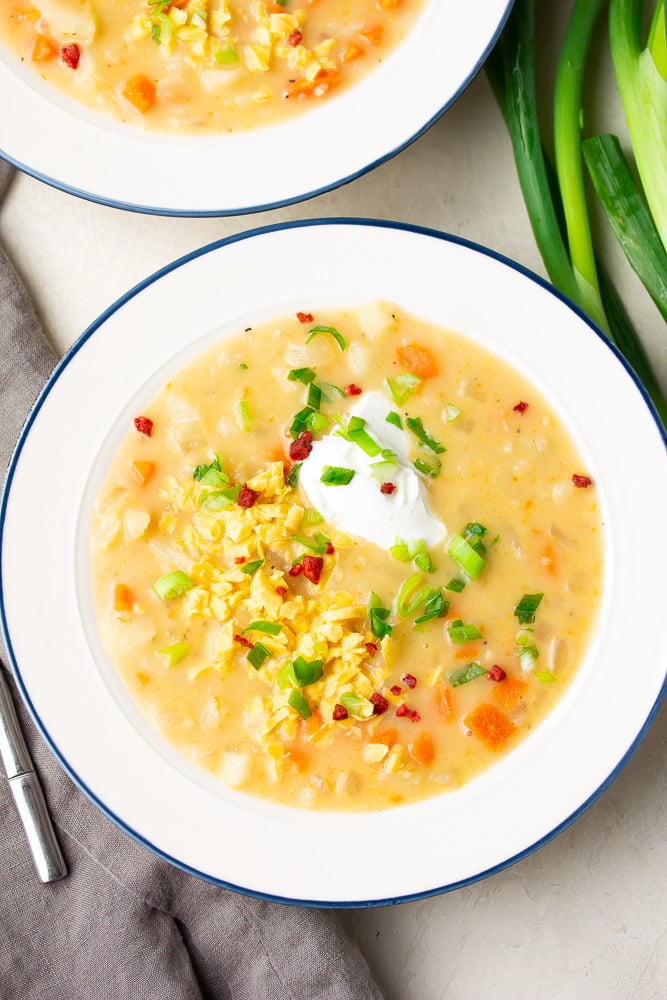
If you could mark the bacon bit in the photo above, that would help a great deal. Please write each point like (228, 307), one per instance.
(582, 481)
(371, 648)
(379, 702)
(415, 717)
(396, 689)
(239, 559)
(312, 568)
(305, 318)
(294, 40)
(281, 591)
(247, 497)
(520, 407)
(496, 673)
(402, 710)
(241, 639)
(409, 680)
(295, 570)
(330, 549)
(387, 489)
(70, 55)
(302, 447)
(339, 713)
(144, 425)
(352, 390)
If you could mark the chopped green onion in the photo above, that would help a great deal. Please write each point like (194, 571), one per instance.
(312, 516)
(338, 337)
(409, 597)
(402, 386)
(305, 375)
(306, 672)
(455, 585)
(285, 676)
(526, 608)
(334, 475)
(356, 433)
(317, 544)
(245, 416)
(175, 653)
(545, 676)
(173, 585)
(252, 567)
(469, 673)
(435, 607)
(211, 475)
(357, 707)
(300, 421)
(401, 551)
(470, 561)
(330, 392)
(395, 418)
(314, 398)
(451, 413)
(378, 617)
(475, 528)
(432, 471)
(258, 655)
(297, 701)
(424, 562)
(526, 651)
(293, 474)
(382, 471)
(317, 422)
(416, 425)
(459, 633)
(219, 499)
(270, 628)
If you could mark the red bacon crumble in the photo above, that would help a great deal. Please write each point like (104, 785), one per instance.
(239, 560)
(379, 702)
(241, 639)
(402, 710)
(387, 489)
(247, 497)
(302, 447)
(304, 317)
(415, 717)
(396, 689)
(352, 390)
(496, 673)
(582, 481)
(330, 549)
(70, 55)
(520, 407)
(293, 40)
(409, 680)
(295, 570)
(312, 568)
(371, 648)
(144, 425)
(281, 591)
(339, 713)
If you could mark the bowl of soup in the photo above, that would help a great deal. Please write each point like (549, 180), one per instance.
(227, 106)
(337, 576)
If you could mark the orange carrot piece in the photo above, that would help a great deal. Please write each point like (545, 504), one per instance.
(386, 736)
(422, 749)
(444, 703)
(509, 692)
(548, 560)
(143, 471)
(373, 34)
(389, 4)
(490, 725)
(43, 49)
(351, 51)
(417, 359)
(140, 91)
(123, 599)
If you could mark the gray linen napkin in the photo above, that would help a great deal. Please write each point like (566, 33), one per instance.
(124, 923)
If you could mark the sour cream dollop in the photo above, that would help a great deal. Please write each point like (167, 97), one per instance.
(359, 508)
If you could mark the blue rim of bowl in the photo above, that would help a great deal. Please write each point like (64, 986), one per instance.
(270, 206)
(70, 356)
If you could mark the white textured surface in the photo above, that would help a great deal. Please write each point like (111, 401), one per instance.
(585, 918)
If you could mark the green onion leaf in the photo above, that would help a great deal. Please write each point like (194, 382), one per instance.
(357, 707)
(331, 392)
(211, 475)
(356, 433)
(334, 475)
(270, 628)
(314, 396)
(432, 471)
(258, 655)
(245, 416)
(312, 516)
(252, 567)
(455, 585)
(526, 608)
(436, 606)
(416, 425)
(332, 331)
(378, 616)
(459, 633)
(175, 653)
(297, 701)
(305, 375)
(545, 676)
(402, 386)
(306, 672)
(219, 499)
(395, 418)
(317, 422)
(471, 562)
(401, 551)
(300, 421)
(173, 585)
(469, 673)
(424, 562)
(410, 598)
(317, 544)
(293, 474)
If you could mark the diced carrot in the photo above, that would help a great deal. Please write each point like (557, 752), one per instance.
(444, 703)
(140, 91)
(143, 471)
(490, 725)
(422, 749)
(417, 359)
(43, 49)
(373, 34)
(386, 736)
(509, 692)
(351, 51)
(325, 81)
(548, 560)
(123, 599)
(389, 4)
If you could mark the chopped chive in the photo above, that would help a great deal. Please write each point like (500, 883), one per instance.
(317, 422)
(300, 421)
(455, 585)
(402, 386)
(331, 392)
(252, 567)
(432, 471)
(475, 528)
(268, 627)
(378, 617)
(314, 398)
(293, 475)
(258, 655)
(468, 673)
(285, 677)
(211, 475)
(357, 707)
(382, 471)
(338, 337)
(424, 562)
(297, 701)
(317, 544)
(334, 475)
(409, 597)
(357, 433)
(306, 671)
(305, 375)
(173, 585)
(416, 425)
(436, 606)
(395, 418)
(459, 633)
(470, 561)
(219, 499)
(175, 653)
(526, 608)
(401, 551)
(245, 416)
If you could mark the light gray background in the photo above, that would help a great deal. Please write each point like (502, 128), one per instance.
(585, 918)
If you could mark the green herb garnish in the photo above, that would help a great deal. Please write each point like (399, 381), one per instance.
(297, 701)
(211, 475)
(173, 585)
(356, 706)
(455, 585)
(468, 673)
(293, 475)
(378, 617)
(334, 475)
(332, 331)
(416, 425)
(258, 655)
(526, 608)
(459, 633)
(435, 606)
(219, 499)
(304, 375)
(175, 653)
(432, 471)
(462, 552)
(252, 567)
(306, 671)
(395, 418)
(402, 386)
(270, 628)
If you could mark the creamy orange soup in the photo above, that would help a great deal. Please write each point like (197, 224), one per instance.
(203, 65)
(346, 560)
